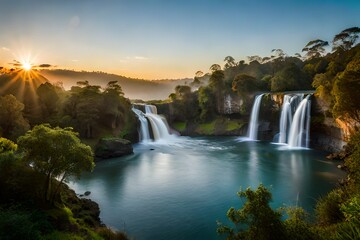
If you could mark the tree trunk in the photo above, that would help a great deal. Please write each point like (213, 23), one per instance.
(57, 189)
(47, 187)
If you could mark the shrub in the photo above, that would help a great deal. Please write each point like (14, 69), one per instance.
(328, 208)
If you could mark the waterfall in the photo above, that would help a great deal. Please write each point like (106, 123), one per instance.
(144, 126)
(159, 126)
(289, 106)
(253, 127)
(150, 109)
(300, 126)
(227, 104)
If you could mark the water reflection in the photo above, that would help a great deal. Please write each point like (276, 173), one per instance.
(178, 191)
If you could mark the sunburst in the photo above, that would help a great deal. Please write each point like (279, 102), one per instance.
(26, 66)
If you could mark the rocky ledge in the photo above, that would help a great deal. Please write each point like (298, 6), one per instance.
(113, 147)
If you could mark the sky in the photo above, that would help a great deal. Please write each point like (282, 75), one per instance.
(162, 39)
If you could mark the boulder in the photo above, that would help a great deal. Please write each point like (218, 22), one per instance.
(113, 147)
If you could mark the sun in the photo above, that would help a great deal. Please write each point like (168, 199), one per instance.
(26, 66)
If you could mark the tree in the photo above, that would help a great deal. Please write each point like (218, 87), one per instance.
(7, 145)
(215, 67)
(290, 78)
(254, 58)
(279, 54)
(114, 106)
(56, 153)
(256, 219)
(12, 122)
(48, 97)
(229, 62)
(83, 107)
(315, 48)
(346, 39)
(197, 82)
(347, 91)
(244, 84)
(217, 84)
(207, 103)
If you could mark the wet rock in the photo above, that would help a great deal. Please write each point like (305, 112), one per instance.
(113, 147)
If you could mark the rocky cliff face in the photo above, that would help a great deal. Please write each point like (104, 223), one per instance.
(326, 133)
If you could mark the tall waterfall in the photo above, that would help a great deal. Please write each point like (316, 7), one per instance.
(159, 126)
(295, 120)
(290, 104)
(144, 134)
(253, 127)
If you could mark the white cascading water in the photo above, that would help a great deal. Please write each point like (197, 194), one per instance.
(160, 128)
(289, 106)
(227, 104)
(253, 126)
(300, 126)
(144, 126)
(150, 109)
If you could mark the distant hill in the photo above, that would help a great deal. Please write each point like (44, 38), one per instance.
(21, 84)
(133, 88)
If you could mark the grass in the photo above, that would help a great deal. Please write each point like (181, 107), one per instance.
(179, 126)
(206, 128)
(232, 125)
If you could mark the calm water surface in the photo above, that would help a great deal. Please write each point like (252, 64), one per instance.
(180, 188)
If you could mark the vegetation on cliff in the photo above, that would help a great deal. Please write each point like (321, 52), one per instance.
(35, 204)
(335, 77)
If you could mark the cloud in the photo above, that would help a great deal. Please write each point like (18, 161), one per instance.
(45, 65)
(5, 49)
(15, 63)
(140, 58)
(74, 60)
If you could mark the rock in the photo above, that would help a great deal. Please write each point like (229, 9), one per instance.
(87, 193)
(113, 147)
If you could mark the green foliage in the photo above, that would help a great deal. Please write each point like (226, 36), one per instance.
(184, 104)
(88, 110)
(351, 209)
(352, 162)
(12, 122)
(232, 125)
(179, 126)
(109, 234)
(55, 152)
(217, 84)
(290, 78)
(244, 84)
(16, 224)
(7, 145)
(207, 103)
(206, 128)
(347, 231)
(346, 90)
(328, 208)
(48, 96)
(256, 219)
(297, 226)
